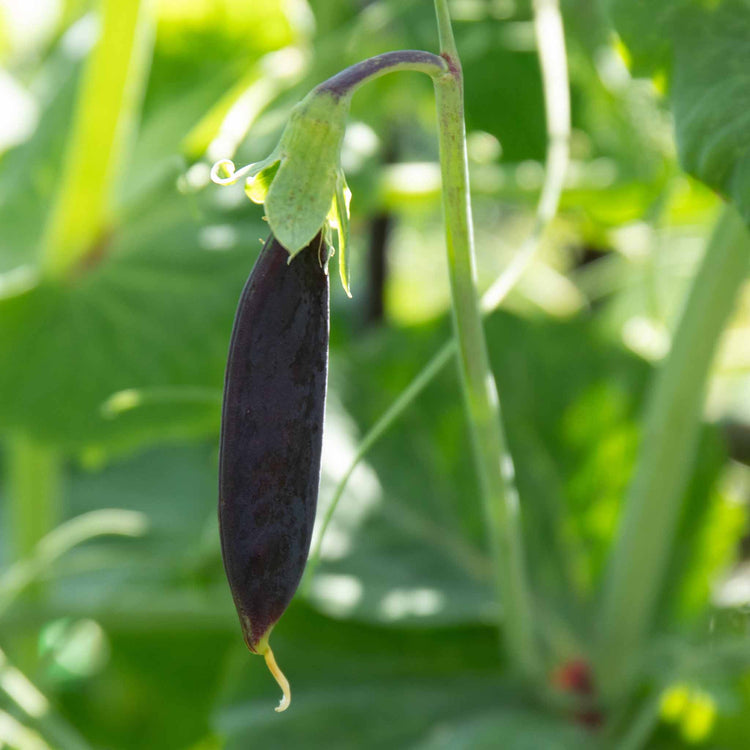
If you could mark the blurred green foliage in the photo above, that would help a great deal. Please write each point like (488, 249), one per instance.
(113, 375)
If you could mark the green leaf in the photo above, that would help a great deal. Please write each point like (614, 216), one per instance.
(155, 312)
(711, 95)
(704, 48)
(150, 313)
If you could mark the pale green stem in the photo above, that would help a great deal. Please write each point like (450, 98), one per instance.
(33, 490)
(445, 30)
(674, 410)
(106, 112)
(34, 477)
(550, 40)
(494, 463)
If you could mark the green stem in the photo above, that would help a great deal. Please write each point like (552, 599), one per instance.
(494, 463)
(553, 65)
(33, 490)
(106, 110)
(349, 80)
(445, 30)
(550, 40)
(34, 475)
(672, 425)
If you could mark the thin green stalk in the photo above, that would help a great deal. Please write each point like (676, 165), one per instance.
(672, 423)
(550, 40)
(494, 463)
(33, 493)
(106, 110)
(445, 30)
(426, 375)
(34, 477)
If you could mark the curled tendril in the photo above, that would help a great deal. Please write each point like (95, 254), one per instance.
(225, 173)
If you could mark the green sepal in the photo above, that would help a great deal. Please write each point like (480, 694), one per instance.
(300, 197)
(301, 184)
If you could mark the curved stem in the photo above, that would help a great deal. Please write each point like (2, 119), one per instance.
(550, 39)
(349, 80)
(553, 65)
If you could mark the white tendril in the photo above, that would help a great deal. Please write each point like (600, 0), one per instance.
(226, 166)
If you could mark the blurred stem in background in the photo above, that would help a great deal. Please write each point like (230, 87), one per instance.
(493, 460)
(550, 42)
(34, 490)
(34, 477)
(106, 113)
(672, 424)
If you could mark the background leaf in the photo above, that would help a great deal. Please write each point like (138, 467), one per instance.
(704, 48)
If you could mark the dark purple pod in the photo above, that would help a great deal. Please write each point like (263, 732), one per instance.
(271, 436)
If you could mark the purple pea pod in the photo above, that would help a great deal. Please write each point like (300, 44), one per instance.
(271, 437)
